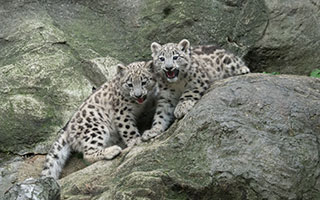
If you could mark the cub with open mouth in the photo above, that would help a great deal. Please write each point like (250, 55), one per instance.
(184, 75)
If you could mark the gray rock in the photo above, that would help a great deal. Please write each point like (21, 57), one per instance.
(251, 137)
(34, 189)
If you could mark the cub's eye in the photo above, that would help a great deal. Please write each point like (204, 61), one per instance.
(129, 84)
(161, 58)
(175, 57)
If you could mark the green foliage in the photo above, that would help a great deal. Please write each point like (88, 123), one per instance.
(315, 73)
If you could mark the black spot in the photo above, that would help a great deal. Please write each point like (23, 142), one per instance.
(59, 148)
(100, 144)
(45, 168)
(121, 112)
(132, 133)
(92, 113)
(55, 156)
(126, 120)
(91, 106)
(196, 91)
(63, 143)
(120, 125)
(159, 112)
(93, 135)
(227, 60)
(100, 138)
(116, 110)
(232, 68)
(188, 96)
(88, 119)
(218, 61)
(117, 118)
(84, 113)
(86, 131)
(88, 125)
(161, 116)
(95, 129)
(127, 126)
(100, 115)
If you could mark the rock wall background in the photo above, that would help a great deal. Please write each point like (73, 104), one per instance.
(52, 52)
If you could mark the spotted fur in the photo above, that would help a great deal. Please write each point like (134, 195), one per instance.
(108, 115)
(185, 74)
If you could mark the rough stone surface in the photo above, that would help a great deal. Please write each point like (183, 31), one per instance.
(251, 137)
(34, 189)
(53, 53)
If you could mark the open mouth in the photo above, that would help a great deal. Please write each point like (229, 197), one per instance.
(141, 100)
(172, 73)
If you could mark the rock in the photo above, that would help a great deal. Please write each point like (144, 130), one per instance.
(53, 53)
(35, 189)
(251, 137)
(290, 40)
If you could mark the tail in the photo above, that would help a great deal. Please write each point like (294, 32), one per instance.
(56, 157)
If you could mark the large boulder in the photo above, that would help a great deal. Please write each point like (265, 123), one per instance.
(251, 137)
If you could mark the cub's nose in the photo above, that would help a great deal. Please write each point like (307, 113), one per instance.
(169, 68)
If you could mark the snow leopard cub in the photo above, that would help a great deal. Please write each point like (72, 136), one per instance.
(185, 73)
(108, 115)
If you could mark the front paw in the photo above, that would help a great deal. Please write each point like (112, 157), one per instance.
(182, 108)
(149, 134)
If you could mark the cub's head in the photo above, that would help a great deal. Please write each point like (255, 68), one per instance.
(171, 59)
(136, 80)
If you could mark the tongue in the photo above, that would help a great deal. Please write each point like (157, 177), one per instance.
(140, 100)
(171, 74)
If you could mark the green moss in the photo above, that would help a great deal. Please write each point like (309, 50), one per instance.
(315, 73)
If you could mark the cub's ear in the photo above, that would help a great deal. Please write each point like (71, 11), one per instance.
(155, 48)
(149, 66)
(184, 45)
(121, 68)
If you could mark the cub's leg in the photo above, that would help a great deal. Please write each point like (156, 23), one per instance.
(195, 90)
(127, 128)
(163, 116)
(94, 147)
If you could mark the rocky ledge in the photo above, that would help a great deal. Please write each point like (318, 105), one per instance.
(251, 137)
